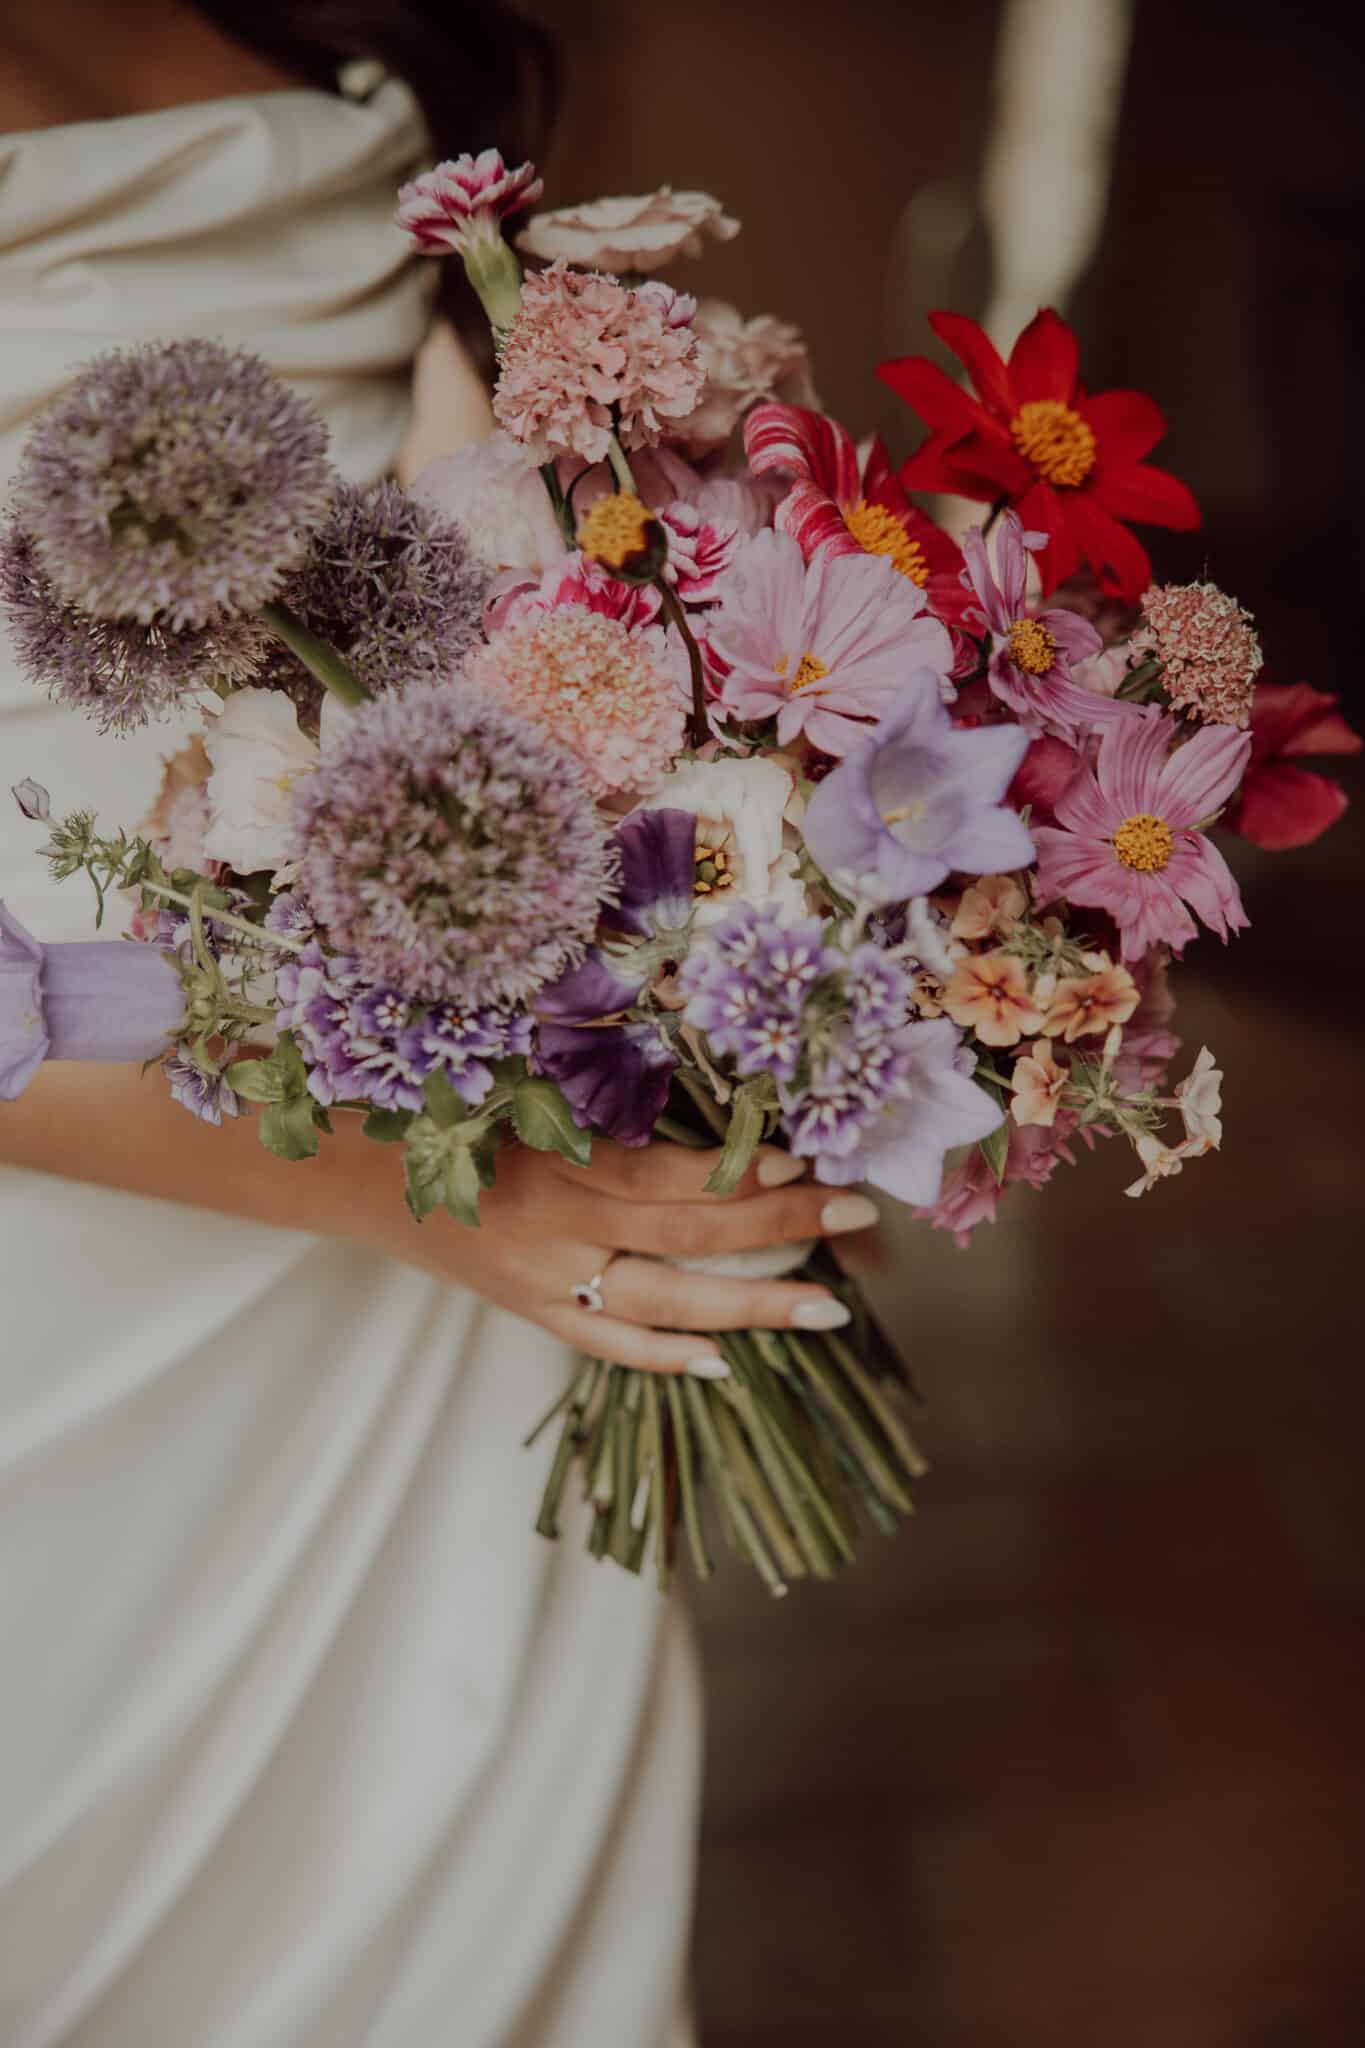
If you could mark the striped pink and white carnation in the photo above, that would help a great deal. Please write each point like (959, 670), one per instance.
(464, 201)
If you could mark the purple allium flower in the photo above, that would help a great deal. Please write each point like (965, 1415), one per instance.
(363, 1043)
(890, 1114)
(392, 586)
(174, 484)
(206, 1096)
(615, 1079)
(918, 800)
(101, 999)
(452, 848)
(119, 672)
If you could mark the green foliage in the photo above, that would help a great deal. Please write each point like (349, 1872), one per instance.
(750, 1106)
(542, 1119)
(448, 1166)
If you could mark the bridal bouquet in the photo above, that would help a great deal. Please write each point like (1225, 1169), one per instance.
(654, 769)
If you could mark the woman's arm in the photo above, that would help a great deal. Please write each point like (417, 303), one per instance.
(545, 1226)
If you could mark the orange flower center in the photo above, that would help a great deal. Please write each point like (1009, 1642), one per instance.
(1144, 842)
(615, 529)
(1055, 440)
(810, 669)
(1031, 646)
(714, 871)
(879, 532)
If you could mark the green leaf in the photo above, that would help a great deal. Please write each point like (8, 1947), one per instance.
(543, 1120)
(444, 1106)
(463, 1185)
(442, 1171)
(256, 1081)
(748, 1122)
(995, 1151)
(287, 1129)
(387, 1126)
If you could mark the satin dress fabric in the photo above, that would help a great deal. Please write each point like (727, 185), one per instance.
(306, 1739)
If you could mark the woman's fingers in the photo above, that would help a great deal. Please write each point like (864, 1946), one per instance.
(647, 1291)
(671, 1173)
(703, 1229)
(621, 1343)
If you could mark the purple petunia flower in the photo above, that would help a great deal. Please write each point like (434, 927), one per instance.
(452, 848)
(615, 1078)
(100, 999)
(918, 800)
(206, 1096)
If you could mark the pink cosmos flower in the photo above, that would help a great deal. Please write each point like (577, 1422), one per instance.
(464, 201)
(1031, 654)
(1127, 839)
(824, 646)
(615, 698)
(838, 503)
(584, 352)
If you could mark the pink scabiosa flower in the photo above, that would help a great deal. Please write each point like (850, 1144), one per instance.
(824, 646)
(451, 848)
(1208, 650)
(460, 203)
(640, 232)
(584, 352)
(1127, 838)
(616, 698)
(1031, 654)
(840, 503)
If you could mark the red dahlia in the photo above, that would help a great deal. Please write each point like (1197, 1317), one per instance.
(1070, 464)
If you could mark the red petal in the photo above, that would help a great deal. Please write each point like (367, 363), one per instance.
(1127, 424)
(1294, 718)
(1045, 360)
(1138, 491)
(1117, 556)
(808, 444)
(932, 393)
(979, 356)
(1282, 807)
(929, 469)
(1043, 510)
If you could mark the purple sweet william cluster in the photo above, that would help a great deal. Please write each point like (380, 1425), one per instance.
(866, 1093)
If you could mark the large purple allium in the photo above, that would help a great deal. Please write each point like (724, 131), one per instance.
(119, 672)
(452, 848)
(392, 586)
(175, 484)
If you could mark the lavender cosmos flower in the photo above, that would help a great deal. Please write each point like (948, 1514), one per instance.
(918, 800)
(451, 848)
(391, 585)
(615, 1074)
(1031, 654)
(363, 1043)
(117, 671)
(174, 485)
(104, 999)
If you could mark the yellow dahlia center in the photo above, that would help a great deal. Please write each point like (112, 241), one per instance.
(1144, 842)
(1055, 440)
(1032, 647)
(810, 669)
(714, 871)
(879, 532)
(615, 529)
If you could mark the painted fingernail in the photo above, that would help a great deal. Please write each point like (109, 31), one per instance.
(821, 1315)
(710, 1367)
(775, 1169)
(848, 1212)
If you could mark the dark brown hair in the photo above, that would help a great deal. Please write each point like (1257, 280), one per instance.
(484, 76)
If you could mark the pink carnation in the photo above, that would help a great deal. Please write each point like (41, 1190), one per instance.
(584, 349)
(573, 579)
(615, 698)
(1207, 646)
(461, 202)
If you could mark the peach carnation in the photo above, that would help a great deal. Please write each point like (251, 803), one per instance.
(583, 350)
(638, 232)
(745, 361)
(1207, 646)
(613, 696)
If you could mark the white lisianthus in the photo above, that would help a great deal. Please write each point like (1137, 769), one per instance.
(257, 756)
(742, 809)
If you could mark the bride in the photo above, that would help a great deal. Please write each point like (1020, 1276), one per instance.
(308, 1740)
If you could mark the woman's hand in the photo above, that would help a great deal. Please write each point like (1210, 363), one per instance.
(547, 1226)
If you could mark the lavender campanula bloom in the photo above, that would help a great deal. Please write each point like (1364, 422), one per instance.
(101, 999)
(452, 848)
(918, 800)
(33, 800)
(175, 483)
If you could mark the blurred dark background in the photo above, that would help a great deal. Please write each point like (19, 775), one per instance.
(1078, 1758)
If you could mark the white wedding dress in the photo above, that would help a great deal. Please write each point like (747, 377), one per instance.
(306, 1739)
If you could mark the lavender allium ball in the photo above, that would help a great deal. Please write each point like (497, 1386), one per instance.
(452, 848)
(392, 586)
(119, 672)
(175, 484)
